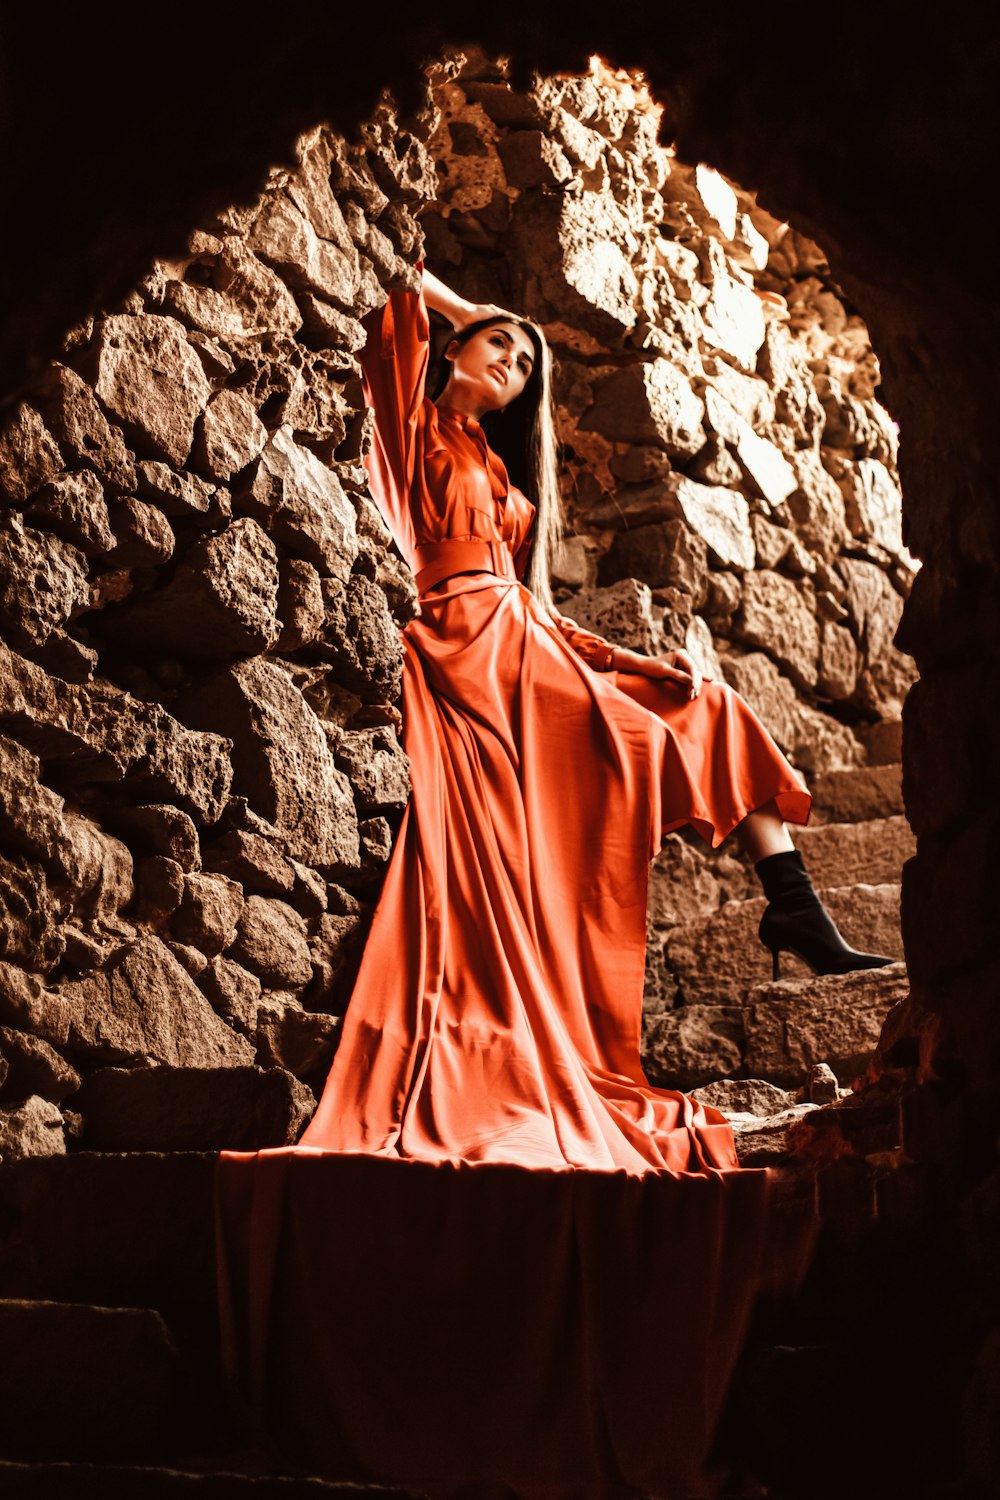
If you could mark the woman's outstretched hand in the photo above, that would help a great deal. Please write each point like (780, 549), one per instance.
(672, 666)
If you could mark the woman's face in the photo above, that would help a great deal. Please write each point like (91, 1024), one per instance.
(492, 367)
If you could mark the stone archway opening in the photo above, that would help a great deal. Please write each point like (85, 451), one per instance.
(731, 487)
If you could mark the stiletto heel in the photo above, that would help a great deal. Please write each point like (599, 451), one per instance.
(796, 921)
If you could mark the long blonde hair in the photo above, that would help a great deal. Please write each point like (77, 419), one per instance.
(523, 434)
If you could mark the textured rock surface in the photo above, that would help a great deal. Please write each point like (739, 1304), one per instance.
(837, 1020)
(145, 1009)
(32, 1127)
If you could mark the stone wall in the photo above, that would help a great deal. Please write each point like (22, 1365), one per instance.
(729, 475)
(200, 775)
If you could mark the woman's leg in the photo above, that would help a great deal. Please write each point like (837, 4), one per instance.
(763, 832)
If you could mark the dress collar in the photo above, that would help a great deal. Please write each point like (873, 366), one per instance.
(461, 417)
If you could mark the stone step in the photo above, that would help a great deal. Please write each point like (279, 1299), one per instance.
(191, 1109)
(835, 1019)
(120, 1230)
(777, 1035)
(718, 959)
(85, 1381)
(99, 1481)
(842, 854)
(858, 795)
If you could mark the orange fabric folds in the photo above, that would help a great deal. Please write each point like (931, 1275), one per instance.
(484, 1331)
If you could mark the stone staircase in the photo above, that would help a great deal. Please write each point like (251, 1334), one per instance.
(107, 1297)
(769, 1053)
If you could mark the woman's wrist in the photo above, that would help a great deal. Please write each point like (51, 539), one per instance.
(441, 299)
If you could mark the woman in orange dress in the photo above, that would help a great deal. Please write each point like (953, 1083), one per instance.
(495, 1019)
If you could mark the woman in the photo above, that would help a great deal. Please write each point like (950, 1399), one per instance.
(446, 1315)
(496, 1015)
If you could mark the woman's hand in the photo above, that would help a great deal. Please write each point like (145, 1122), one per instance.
(672, 666)
(475, 312)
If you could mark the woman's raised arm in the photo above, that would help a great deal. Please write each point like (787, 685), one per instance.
(459, 312)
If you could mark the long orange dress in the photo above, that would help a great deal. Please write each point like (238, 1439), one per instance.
(498, 1255)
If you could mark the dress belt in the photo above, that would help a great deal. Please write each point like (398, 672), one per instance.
(439, 560)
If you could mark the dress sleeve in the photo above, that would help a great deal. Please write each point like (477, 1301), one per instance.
(594, 649)
(394, 367)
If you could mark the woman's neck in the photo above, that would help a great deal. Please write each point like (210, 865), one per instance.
(451, 399)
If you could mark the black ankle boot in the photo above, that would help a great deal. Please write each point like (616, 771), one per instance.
(795, 920)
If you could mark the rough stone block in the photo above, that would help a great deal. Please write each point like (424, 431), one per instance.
(648, 403)
(245, 298)
(682, 886)
(301, 504)
(333, 947)
(842, 854)
(816, 505)
(300, 1041)
(29, 916)
(176, 494)
(272, 942)
(82, 431)
(32, 1127)
(771, 1141)
(745, 1096)
(229, 435)
(283, 237)
(150, 378)
(43, 584)
(221, 601)
(834, 1019)
(721, 517)
(143, 537)
(669, 553)
(35, 1067)
(777, 616)
(623, 613)
(26, 1004)
(858, 795)
(99, 733)
(281, 760)
(74, 507)
(209, 913)
(29, 455)
(192, 1109)
(361, 640)
(164, 830)
(812, 740)
(233, 992)
(377, 765)
(145, 1009)
(300, 603)
(693, 1044)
